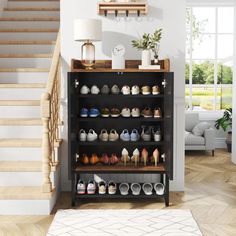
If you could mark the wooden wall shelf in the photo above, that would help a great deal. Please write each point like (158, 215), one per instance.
(105, 8)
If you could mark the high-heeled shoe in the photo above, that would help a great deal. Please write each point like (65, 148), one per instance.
(135, 157)
(155, 157)
(94, 159)
(104, 159)
(114, 159)
(125, 156)
(84, 159)
(144, 156)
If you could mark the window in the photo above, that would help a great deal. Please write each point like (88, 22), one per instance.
(209, 58)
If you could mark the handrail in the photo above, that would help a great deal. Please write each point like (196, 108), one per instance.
(50, 115)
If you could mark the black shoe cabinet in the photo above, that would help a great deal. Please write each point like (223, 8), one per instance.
(101, 76)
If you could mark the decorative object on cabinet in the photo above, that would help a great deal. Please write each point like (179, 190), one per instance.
(118, 57)
(126, 7)
(87, 30)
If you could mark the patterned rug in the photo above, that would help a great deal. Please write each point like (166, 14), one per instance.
(124, 223)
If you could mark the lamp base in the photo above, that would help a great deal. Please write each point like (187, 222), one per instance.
(88, 55)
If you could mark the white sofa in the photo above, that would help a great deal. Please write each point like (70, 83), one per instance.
(206, 141)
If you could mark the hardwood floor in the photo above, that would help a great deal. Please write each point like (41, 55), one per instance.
(210, 194)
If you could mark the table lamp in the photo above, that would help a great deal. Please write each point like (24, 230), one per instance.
(87, 30)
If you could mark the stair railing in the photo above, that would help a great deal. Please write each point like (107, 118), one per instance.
(50, 114)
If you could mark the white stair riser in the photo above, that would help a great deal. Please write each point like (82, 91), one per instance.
(29, 24)
(25, 62)
(21, 93)
(23, 179)
(28, 36)
(20, 154)
(21, 132)
(31, 13)
(23, 77)
(19, 49)
(19, 112)
(34, 4)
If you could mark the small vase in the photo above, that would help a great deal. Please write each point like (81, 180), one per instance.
(146, 58)
(156, 60)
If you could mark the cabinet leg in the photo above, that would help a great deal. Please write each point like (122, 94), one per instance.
(167, 190)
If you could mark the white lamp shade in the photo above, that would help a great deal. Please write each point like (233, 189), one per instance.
(87, 29)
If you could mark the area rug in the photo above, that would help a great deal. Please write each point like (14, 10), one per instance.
(124, 223)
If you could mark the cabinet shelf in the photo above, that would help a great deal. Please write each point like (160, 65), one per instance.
(120, 119)
(121, 143)
(120, 96)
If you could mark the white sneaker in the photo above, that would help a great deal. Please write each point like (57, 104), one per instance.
(82, 135)
(135, 90)
(91, 187)
(103, 136)
(92, 136)
(84, 90)
(113, 136)
(95, 90)
(125, 90)
(81, 187)
(112, 187)
(135, 112)
(125, 112)
(157, 135)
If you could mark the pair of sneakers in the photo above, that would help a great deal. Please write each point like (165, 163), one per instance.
(83, 189)
(85, 90)
(148, 113)
(114, 89)
(126, 112)
(135, 90)
(126, 136)
(109, 188)
(90, 136)
(147, 90)
(134, 187)
(148, 132)
(93, 112)
(112, 136)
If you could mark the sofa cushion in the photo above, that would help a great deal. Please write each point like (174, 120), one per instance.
(191, 119)
(192, 139)
(200, 128)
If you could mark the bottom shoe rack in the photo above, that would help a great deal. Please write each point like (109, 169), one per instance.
(104, 75)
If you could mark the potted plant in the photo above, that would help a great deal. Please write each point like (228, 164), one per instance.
(148, 43)
(225, 123)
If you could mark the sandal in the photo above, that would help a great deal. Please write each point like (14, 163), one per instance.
(124, 189)
(136, 188)
(159, 188)
(147, 188)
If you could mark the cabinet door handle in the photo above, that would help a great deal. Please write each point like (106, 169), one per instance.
(164, 83)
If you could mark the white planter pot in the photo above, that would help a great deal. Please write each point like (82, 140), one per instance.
(146, 58)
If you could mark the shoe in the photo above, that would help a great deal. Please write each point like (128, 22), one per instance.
(95, 90)
(125, 156)
(84, 159)
(105, 112)
(147, 188)
(135, 157)
(136, 188)
(103, 136)
(115, 90)
(115, 112)
(113, 136)
(124, 189)
(135, 112)
(157, 134)
(157, 113)
(94, 112)
(147, 112)
(84, 90)
(124, 136)
(125, 90)
(159, 188)
(92, 136)
(102, 187)
(105, 159)
(146, 90)
(134, 136)
(112, 188)
(156, 90)
(94, 159)
(146, 134)
(82, 135)
(144, 156)
(81, 187)
(105, 89)
(84, 112)
(114, 159)
(91, 187)
(125, 112)
(135, 90)
(155, 157)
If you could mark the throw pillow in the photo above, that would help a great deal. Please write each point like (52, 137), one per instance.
(199, 129)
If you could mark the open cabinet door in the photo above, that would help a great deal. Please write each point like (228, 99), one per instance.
(168, 84)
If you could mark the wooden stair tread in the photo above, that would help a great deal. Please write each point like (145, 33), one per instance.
(19, 103)
(28, 30)
(31, 9)
(20, 166)
(30, 142)
(27, 42)
(29, 19)
(36, 85)
(24, 70)
(25, 55)
(20, 121)
(23, 193)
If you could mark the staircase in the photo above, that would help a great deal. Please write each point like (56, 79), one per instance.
(29, 106)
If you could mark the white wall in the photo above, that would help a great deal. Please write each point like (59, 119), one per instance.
(168, 14)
